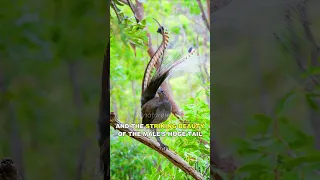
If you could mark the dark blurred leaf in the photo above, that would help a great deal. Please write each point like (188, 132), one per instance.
(81, 8)
(263, 123)
(254, 167)
(301, 160)
(283, 101)
(310, 100)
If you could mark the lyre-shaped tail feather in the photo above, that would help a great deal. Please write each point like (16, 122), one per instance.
(156, 57)
(160, 76)
(181, 60)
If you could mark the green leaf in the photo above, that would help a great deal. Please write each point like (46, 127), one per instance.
(254, 167)
(175, 30)
(300, 160)
(283, 101)
(192, 146)
(205, 151)
(118, 3)
(143, 22)
(263, 122)
(311, 102)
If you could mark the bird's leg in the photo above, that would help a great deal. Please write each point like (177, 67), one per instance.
(163, 146)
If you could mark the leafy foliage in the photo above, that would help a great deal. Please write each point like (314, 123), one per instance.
(275, 147)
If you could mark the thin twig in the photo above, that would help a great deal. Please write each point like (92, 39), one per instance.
(295, 51)
(205, 171)
(132, 7)
(306, 24)
(297, 59)
(114, 7)
(204, 18)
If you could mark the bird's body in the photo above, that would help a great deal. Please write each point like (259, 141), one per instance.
(156, 111)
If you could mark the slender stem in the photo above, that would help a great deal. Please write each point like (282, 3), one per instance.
(114, 7)
(204, 18)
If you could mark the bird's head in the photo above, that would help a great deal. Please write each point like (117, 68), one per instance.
(161, 93)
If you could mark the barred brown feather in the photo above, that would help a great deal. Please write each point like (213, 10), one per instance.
(160, 76)
(155, 57)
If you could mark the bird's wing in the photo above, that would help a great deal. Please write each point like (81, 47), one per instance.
(149, 110)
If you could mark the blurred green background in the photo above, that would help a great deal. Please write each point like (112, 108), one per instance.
(262, 115)
(189, 84)
(51, 55)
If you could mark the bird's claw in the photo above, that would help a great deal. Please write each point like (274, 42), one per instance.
(163, 147)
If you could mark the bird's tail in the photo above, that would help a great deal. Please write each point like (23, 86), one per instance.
(156, 57)
(160, 76)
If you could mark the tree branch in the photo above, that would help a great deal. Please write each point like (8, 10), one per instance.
(204, 18)
(114, 7)
(208, 9)
(132, 7)
(171, 156)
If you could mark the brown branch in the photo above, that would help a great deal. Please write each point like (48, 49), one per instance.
(116, 11)
(171, 156)
(204, 18)
(132, 7)
(208, 8)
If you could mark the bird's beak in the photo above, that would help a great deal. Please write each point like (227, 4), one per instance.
(159, 90)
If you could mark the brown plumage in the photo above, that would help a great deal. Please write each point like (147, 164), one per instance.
(157, 55)
(156, 110)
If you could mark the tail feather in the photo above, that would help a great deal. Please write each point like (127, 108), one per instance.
(155, 83)
(156, 57)
(149, 89)
(181, 60)
(160, 76)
